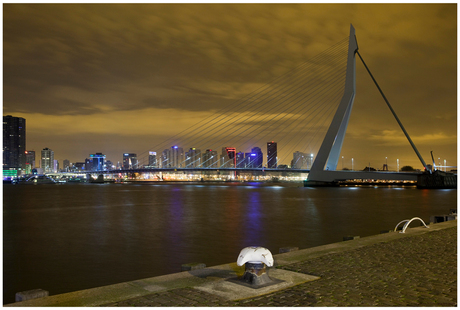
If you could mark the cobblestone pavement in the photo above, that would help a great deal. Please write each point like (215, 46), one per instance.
(413, 271)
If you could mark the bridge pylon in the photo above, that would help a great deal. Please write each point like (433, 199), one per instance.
(328, 154)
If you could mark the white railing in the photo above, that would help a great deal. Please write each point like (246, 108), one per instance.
(407, 224)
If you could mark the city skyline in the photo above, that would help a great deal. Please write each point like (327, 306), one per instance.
(120, 78)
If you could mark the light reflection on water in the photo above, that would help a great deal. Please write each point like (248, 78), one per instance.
(100, 235)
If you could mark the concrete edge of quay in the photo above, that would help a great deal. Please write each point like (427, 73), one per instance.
(215, 279)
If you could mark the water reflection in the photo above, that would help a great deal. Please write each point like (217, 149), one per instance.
(99, 235)
(253, 226)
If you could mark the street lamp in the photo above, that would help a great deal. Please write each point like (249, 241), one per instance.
(342, 162)
(352, 168)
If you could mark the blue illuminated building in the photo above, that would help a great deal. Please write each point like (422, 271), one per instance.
(97, 161)
(255, 158)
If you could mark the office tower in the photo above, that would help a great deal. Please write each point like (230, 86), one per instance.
(272, 154)
(210, 159)
(88, 164)
(108, 165)
(129, 161)
(301, 160)
(164, 159)
(47, 160)
(98, 161)
(14, 143)
(79, 166)
(240, 162)
(66, 165)
(56, 166)
(193, 158)
(30, 159)
(176, 157)
(228, 157)
(255, 158)
(153, 159)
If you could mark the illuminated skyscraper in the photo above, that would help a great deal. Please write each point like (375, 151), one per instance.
(47, 160)
(130, 161)
(301, 160)
(153, 160)
(164, 159)
(173, 157)
(255, 158)
(14, 143)
(176, 157)
(228, 157)
(30, 159)
(272, 154)
(193, 158)
(66, 165)
(210, 159)
(240, 162)
(98, 160)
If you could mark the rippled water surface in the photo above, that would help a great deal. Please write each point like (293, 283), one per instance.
(70, 237)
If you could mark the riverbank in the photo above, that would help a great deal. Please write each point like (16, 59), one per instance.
(417, 268)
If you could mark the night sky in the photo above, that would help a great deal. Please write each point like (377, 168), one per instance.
(118, 78)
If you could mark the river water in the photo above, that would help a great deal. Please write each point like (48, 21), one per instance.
(69, 237)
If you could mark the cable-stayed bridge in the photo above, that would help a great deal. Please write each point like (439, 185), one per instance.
(301, 117)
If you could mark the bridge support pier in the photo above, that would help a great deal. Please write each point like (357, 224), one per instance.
(312, 183)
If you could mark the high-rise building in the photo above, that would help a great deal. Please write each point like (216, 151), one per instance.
(173, 157)
(176, 157)
(164, 159)
(14, 143)
(79, 166)
(153, 159)
(301, 160)
(240, 162)
(47, 160)
(129, 161)
(97, 161)
(193, 158)
(66, 165)
(228, 157)
(30, 158)
(56, 166)
(108, 165)
(272, 154)
(210, 159)
(88, 164)
(30, 161)
(255, 158)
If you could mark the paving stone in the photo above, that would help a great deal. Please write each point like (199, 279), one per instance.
(413, 271)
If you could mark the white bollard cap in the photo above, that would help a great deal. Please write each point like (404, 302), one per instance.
(255, 255)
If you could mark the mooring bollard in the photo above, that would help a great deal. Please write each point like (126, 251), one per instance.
(32, 294)
(346, 238)
(255, 259)
(288, 249)
(192, 266)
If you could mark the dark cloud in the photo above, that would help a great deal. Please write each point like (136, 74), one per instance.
(102, 60)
